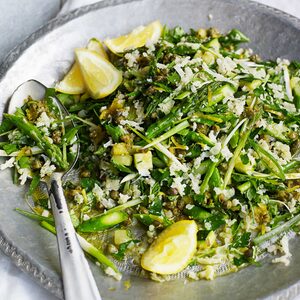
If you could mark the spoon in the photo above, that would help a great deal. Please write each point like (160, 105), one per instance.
(78, 280)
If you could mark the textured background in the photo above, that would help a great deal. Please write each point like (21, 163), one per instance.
(19, 18)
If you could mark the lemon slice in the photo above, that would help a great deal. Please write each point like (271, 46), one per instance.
(173, 249)
(73, 82)
(101, 78)
(137, 38)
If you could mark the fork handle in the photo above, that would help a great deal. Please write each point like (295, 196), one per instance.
(78, 280)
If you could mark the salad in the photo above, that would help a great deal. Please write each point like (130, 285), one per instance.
(189, 152)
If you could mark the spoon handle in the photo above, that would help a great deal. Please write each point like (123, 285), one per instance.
(78, 280)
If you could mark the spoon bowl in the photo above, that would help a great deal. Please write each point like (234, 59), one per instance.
(37, 91)
(78, 280)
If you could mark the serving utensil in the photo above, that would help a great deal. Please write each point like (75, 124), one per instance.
(78, 280)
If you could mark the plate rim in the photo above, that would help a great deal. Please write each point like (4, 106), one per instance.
(18, 257)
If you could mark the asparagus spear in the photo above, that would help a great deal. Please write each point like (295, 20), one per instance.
(187, 106)
(87, 247)
(46, 222)
(52, 150)
(103, 222)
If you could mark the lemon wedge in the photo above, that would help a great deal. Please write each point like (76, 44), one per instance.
(137, 38)
(73, 82)
(173, 249)
(95, 45)
(101, 78)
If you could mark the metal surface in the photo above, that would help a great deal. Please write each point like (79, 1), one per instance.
(47, 54)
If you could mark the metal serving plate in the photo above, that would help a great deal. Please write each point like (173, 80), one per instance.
(47, 54)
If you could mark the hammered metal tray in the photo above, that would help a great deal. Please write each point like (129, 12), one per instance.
(48, 53)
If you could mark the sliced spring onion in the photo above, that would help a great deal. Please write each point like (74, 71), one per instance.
(168, 134)
(162, 149)
(125, 205)
(237, 151)
(277, 230)
(289, 176)
(271, 163)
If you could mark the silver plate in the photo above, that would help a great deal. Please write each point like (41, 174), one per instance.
(48, 53)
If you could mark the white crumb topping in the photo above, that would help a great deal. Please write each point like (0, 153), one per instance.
(226, 153)
(132, 58)
(178, 185)
(25, 173)
(167, 106)
(112, 184)
(109, 271)
(123, 198)
(236, 105)
(78, 198)
(44, 120)
(227, 193)
(132, 124)
(47, 169)
(45, 213)
(8, 164)
(101, 197)
(226, 65)
(216, 149)
(284, 247)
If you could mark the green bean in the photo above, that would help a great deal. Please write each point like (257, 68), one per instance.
(235, 139)
(202, 169)
(244, 187)
(121, 207)
(199, 137)
(202, 116)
